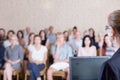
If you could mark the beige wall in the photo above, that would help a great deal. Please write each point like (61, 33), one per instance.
(62, 14)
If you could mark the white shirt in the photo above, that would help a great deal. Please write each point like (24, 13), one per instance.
(6, 43)
(38, 54)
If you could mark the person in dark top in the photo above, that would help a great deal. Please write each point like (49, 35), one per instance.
(2, 35)
(110, 70)
(93, 37)
(2, 50)
(44, 40)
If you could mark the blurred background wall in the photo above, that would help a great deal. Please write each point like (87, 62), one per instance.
(62, 14)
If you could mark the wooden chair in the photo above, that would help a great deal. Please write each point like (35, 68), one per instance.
(61, 74)
(14, 73)
(43, 73)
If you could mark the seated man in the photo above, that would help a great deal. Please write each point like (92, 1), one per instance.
(2, 50)
(61, 53)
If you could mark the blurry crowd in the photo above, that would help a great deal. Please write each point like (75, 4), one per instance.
(35, 50)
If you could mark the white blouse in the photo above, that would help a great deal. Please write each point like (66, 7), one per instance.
(38, 54)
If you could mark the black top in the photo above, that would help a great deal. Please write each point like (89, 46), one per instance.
(43, 42)
(111, 69)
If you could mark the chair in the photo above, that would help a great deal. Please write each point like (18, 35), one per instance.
(61, 74)
(14, 73)
(43, 73)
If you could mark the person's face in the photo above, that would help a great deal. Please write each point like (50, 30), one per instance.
(32, 37)
(74, 31)
(51, 29)
(60, 38)
(107, 39)
(2, 33)
(77, 35)
(87, 41)
(28, 30)
(37, 40)
(19, 34)
(66, 34)
(42, 33)
(10, 35)
(13, 40)
(91, 32)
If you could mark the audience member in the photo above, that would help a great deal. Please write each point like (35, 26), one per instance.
(87, 49)
(20, 36)
(37, 58)
(61, 53)
(27, 32)
(100, 43)
(107, 48)
(44, 40)
(51, 36)
(2, 35)
(74, 30)
(76, 42)
(92, 35)
(2, 50)
(66, 36)
(7, 42)
(13, 57)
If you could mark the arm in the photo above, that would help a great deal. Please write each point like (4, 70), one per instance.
(55, 56)
(47, 43)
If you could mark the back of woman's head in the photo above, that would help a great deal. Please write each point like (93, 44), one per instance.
(114, 22)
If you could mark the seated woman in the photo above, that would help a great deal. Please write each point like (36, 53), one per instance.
(13, 57)
(37, 58)
(107, 49)
(87, 48)
(44, 39)
(61, 53)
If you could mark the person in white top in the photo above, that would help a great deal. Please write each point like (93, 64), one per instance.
(37, 58)
(87, 48)
(7, 42)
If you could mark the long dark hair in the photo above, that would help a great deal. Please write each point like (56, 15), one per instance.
(93, 37)
(21, 33)
(44, 33)
(83, 42)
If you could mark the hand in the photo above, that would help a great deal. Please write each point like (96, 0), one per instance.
(58, 44)
(13, 62)
(9, 61)
(37, 62)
